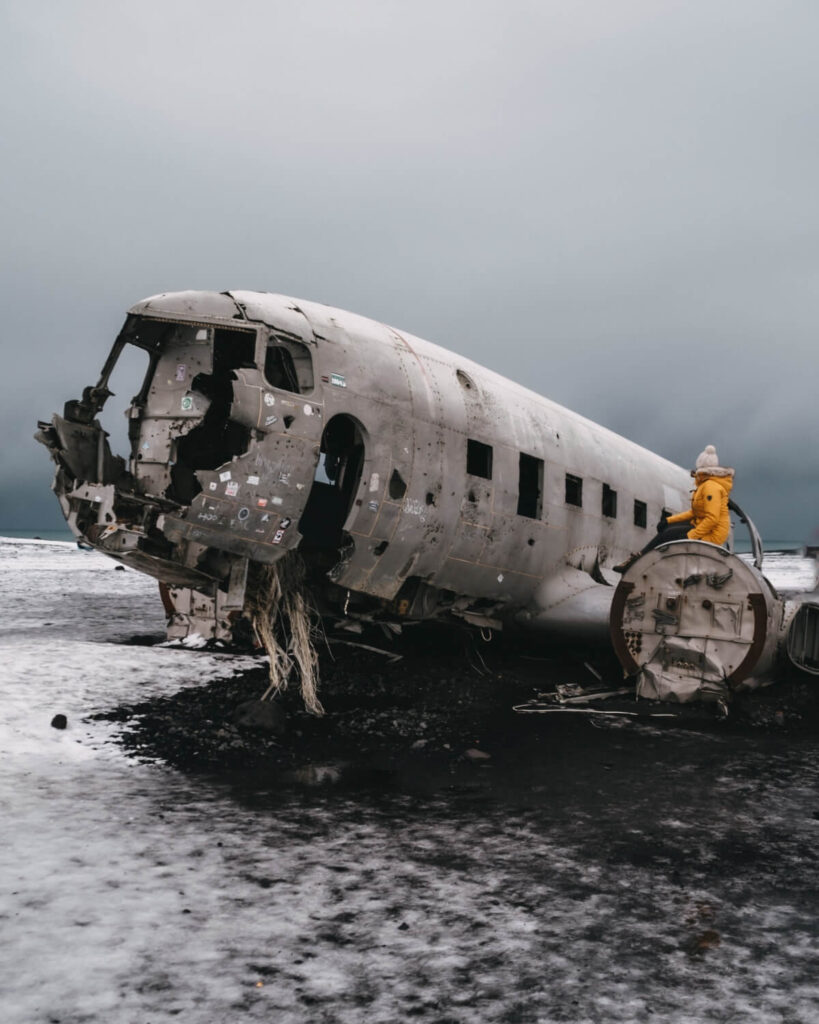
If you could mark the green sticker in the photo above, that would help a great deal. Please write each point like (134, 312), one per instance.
(187, 403)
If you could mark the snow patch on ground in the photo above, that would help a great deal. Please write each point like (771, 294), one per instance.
(634, 875)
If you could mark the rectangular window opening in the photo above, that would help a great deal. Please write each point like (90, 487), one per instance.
(479, 459)
(574, 490)
(288, 365)
(530, 486)
(640, 513)
(609, 506)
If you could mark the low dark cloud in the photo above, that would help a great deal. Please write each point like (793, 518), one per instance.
(614, 204)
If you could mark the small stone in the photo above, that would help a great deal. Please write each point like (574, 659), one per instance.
(700, 943)
(264, 715)
(59, 722)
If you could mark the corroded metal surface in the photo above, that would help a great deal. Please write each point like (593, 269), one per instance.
(693, 622)
(414, 482)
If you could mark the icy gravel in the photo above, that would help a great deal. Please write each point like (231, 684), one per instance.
(626, 873)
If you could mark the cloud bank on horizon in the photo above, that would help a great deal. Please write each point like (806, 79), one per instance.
(613, 204)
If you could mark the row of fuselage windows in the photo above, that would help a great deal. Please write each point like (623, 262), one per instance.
(530, 485)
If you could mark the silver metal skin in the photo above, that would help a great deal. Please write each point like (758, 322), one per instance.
(415, 483)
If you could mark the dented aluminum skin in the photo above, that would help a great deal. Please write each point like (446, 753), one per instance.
(415, 483)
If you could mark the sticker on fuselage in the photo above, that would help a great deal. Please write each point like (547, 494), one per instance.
(277, 536)
(186, 403)
(269, 399)
(232, 488)
(337, 380)
(224, 476)
(181, 370)
(253, 480)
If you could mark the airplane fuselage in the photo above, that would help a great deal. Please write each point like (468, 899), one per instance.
(410, 478)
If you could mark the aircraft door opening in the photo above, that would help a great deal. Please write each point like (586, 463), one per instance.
(335, 485)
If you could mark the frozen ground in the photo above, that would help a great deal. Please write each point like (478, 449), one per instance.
(622, 874)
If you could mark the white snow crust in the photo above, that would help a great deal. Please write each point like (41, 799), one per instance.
(565, 887)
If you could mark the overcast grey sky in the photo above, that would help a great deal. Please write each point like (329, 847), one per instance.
(613, 202)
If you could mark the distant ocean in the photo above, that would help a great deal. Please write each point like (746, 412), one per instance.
(741, 544)
(65, 534)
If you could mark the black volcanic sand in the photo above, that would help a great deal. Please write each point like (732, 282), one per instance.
(449, 696)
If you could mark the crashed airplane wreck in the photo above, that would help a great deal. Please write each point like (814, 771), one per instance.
(288, 459)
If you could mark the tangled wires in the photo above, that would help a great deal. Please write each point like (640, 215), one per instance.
(283, 618)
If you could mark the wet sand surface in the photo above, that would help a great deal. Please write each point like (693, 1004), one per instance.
(589, 870)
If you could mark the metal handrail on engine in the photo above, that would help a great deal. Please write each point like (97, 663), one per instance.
(756, 539)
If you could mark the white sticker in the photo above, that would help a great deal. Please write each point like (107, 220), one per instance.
(500, 578)
(224, 476)
(277, 536)
(180, 371)
(375, 482)
(232, 489)
(277, 501)
(269, 399)
(270, 420)
(338, 380)
(308, 410)
(253, 480)
(213, 485)
(266, 517)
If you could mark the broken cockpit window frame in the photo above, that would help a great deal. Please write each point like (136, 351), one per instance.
(288, 365)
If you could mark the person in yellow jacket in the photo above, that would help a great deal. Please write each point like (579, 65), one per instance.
(709, 515)
(708, 518)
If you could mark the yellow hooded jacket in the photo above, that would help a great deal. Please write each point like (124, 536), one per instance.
(709, 513)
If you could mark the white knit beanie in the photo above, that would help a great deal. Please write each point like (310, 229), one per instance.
(708, 459)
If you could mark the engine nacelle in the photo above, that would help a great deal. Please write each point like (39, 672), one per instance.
(694, 622)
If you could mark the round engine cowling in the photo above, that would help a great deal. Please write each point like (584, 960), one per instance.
(692, 622)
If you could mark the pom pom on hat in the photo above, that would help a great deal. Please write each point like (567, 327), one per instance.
(708, 459)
